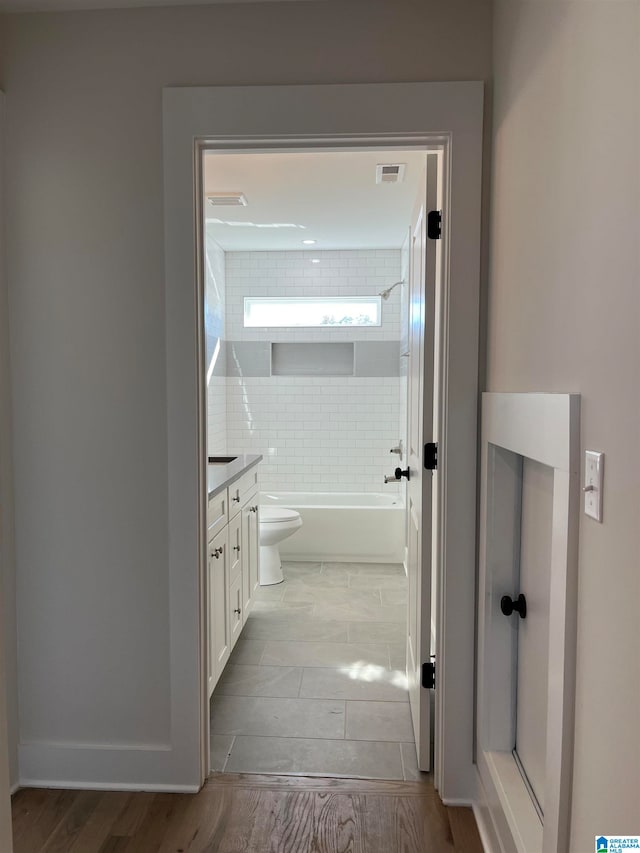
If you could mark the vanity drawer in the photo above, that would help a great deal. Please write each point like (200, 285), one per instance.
(217, 514)
(241, 490)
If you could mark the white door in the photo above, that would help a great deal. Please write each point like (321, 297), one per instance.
(532, 675)
(218, 618)
(422, 291)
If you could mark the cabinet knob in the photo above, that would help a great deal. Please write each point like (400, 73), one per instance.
(236, 548)
(509, 606)
(237, 610)
(253, 508)
(236, 499)
(217, 552)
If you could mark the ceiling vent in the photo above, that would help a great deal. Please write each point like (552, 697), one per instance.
(390, 173)
(227, 199)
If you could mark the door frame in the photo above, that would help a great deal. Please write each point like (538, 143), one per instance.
(8, 679)
(423, 115)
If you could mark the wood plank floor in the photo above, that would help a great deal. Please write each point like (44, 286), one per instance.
(249, 813)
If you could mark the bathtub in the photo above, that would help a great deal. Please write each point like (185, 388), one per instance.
(352, 527)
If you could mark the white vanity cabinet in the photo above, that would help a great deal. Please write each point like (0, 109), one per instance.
(251, 550)
(218, 622)
(232, 567)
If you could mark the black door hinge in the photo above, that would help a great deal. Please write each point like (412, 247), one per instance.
(429, 675)
(434, 224)
(431, 456)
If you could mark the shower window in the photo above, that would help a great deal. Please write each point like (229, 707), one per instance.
(311, 311)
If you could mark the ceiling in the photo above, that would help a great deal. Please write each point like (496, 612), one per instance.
(71, 5)
(330, 197)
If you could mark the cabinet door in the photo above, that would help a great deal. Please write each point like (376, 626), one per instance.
(235, 548)
(250, 552)
(235, 609)
(217, 514)
(219, 627)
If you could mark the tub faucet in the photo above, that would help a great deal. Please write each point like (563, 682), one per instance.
(397, 449)
(397, 475)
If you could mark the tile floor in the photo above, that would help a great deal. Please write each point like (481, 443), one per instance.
(316, 683)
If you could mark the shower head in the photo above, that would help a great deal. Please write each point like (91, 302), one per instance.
(385, 293)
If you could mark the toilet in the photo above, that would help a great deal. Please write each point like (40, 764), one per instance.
(276, 524)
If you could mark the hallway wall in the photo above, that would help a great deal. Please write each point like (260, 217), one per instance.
(564, 315)
(85, 266)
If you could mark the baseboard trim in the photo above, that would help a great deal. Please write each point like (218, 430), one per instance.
(458, 801)
(485, 820)
(340, 558)
(485, 831)
(106, 768)
(106, 786)
(14, 788)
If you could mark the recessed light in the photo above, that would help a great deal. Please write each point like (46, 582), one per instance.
(308, 242)
(315, 260)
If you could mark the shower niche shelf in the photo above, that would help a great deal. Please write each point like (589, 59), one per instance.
(312, 359)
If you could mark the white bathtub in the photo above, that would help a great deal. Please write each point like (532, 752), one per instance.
(352, 527)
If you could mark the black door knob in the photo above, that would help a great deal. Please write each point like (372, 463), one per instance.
(509, 606)
(400, 473)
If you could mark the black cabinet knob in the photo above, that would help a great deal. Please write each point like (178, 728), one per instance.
(509, 606)
(400, 473)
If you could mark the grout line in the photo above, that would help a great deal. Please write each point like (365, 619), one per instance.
(404, 775)
(226, 761)
(302, 668)
(311, 737)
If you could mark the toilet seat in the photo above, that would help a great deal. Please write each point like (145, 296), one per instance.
(271, 514)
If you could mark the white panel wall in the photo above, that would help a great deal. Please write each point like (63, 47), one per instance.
(316, 433)
(216, 356)
(564, 315)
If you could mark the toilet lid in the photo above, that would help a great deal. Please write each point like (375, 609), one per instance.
(277, 513)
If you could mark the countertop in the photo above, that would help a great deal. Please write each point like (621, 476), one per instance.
(219, 476)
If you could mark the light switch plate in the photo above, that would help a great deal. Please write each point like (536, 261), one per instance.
(593, 477)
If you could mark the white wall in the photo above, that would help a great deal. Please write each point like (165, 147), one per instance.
(214, 321)
(317, 433)
(87, 302)
(8, 698)
(563, 315)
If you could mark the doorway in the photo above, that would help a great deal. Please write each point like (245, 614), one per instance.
(338, 116)
(315, 267)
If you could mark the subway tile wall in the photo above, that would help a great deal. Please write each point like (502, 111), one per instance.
(329, 434)
(214, 322)
(316, 433)
(338, 273)
(404, 347)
